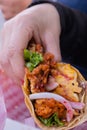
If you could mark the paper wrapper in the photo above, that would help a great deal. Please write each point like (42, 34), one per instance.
(3, 113)
(73, 123)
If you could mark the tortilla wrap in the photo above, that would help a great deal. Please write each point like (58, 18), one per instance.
(74, 122)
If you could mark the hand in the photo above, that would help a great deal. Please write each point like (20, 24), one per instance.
(40, 22)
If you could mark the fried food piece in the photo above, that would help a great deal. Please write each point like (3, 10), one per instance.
(46, 107)
(68, 84)
(35, 47)
(38, 78)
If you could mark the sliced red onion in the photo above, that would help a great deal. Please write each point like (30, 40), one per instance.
(83, 84)
(51, 85)
(77, 105)
(57, 98)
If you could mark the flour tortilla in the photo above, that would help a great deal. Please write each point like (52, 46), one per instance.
(73, 123)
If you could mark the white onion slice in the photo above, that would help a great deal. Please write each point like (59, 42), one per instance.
(57, 98)
(51, 85)
(77, 105)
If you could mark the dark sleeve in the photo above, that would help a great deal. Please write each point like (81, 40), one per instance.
(73, 39)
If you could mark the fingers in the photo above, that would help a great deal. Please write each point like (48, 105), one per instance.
(17, 66)
(51, 42)
(37, 36)
(11, 69)
(11, 55)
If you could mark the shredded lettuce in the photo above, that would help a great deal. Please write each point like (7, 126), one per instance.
(29, 65)
(32, 59)
(51, 121)
(26, 55)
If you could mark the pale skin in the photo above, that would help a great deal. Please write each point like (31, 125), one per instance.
(12, 7)
(18, 31)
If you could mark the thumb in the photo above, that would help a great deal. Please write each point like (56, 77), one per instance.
(51, 42)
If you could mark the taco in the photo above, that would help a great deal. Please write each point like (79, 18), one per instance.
(55, 92)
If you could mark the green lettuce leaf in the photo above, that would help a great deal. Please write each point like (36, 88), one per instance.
(32, 59)
(51, 121)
